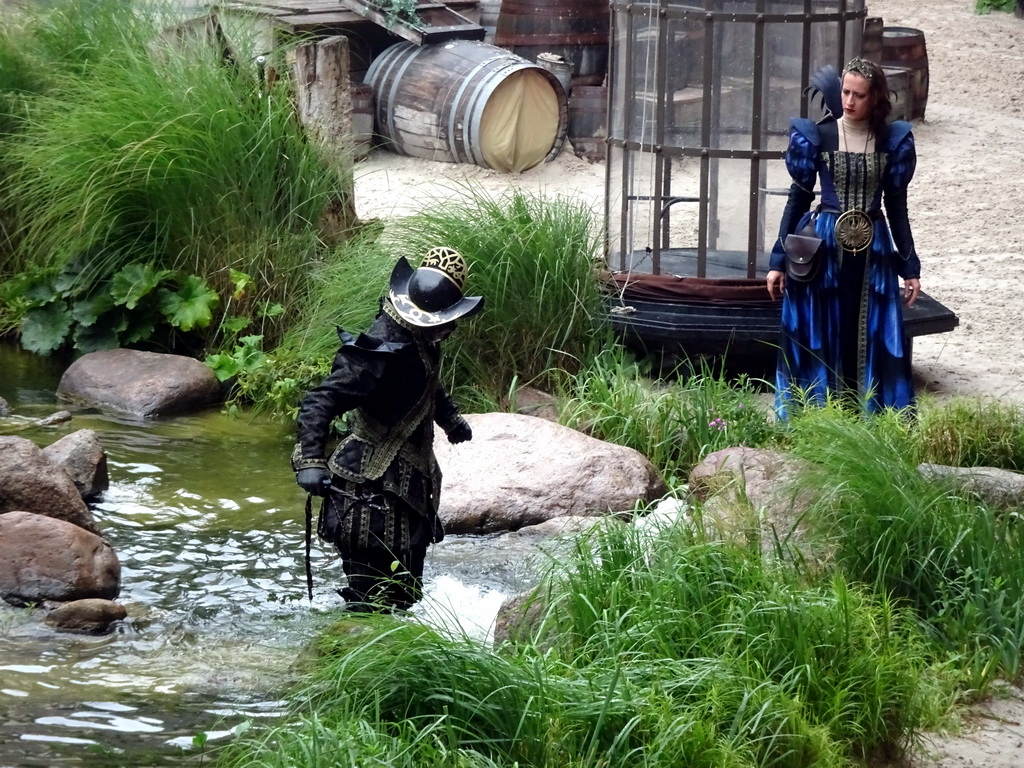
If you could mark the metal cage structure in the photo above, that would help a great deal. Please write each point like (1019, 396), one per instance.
(700, 98)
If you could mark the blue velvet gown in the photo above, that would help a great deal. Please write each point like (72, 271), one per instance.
(842, 332)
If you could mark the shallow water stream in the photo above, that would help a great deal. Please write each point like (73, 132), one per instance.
(208, 524)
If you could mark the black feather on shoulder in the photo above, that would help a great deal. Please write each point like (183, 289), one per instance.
(826, 89)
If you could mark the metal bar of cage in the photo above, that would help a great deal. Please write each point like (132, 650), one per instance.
(666, 143)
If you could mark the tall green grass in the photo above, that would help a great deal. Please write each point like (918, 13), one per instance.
(532, 258)
(529, 256)
(174, 159)
(41, 45)
(177, 163)
(674, 421)
(851, 662)
(657, 651)
(956, 561)
(971, 432)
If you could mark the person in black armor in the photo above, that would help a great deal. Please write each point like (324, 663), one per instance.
(381, 483)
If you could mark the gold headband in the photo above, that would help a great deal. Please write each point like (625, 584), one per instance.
(860, 67)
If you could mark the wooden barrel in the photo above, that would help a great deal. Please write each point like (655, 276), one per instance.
(871, 40)
(588, 121)
(577, 30)
(362, 119)
(905, 47)
(489, 10)
(559, 67)
(898, 79)
(464, 101)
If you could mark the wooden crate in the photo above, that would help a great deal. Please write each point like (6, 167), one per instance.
(437, 23)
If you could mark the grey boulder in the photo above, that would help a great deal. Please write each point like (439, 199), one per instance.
(142, 384)
(46, 559)
(522, 470)
(31, 482)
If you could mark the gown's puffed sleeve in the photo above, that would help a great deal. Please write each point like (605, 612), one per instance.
(902, 163)
(802, 164)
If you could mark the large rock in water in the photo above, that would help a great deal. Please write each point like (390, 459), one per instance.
(81, 455)
(144, 384)
(30, 482)
(521, 470)
(91, 615)
(46, 559)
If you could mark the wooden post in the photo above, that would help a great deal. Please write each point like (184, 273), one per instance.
(323, 95)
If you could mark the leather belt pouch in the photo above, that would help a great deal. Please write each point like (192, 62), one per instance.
(803, 254)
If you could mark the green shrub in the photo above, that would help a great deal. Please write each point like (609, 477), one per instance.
(173, 160)
(987, 6)
(532, 258)
(342, 289)
(970, 432)
(674, 422)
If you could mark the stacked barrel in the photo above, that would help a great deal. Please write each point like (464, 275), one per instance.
(904, 57)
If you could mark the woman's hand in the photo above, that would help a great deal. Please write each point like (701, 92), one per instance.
(776, 283)
(911, 290)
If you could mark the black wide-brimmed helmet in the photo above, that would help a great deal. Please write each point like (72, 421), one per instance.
(432, 295)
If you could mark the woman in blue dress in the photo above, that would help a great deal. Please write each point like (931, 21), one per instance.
(842, 329)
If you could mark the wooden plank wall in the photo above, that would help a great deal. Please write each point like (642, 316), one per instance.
(316, 16)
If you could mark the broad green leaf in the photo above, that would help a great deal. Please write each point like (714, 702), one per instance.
(270, 310)
(44, 329)
(191, 306)
(236, 323)
(224, 366)
(102, 335)
(88, 311)
(141, 325)
(40, 293)
(70, 281)
(135, 281)
(65, 284)
(241, 281)
(249, 352)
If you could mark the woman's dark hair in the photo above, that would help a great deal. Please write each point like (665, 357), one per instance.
(878, 92)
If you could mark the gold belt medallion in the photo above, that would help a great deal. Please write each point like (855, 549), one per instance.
(854, 232)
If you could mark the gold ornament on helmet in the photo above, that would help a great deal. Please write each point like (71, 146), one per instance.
(448, 262)
(433, 294)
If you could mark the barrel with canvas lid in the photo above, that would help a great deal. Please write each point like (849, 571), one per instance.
(577, 30)
(905, 47)
(464, 101)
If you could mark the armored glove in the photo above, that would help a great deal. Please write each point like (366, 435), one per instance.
(313, 480)
(460, 432)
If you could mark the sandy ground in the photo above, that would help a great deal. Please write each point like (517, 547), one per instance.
(966, 206)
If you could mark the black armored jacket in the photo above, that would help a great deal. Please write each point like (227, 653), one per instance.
(387, 382)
